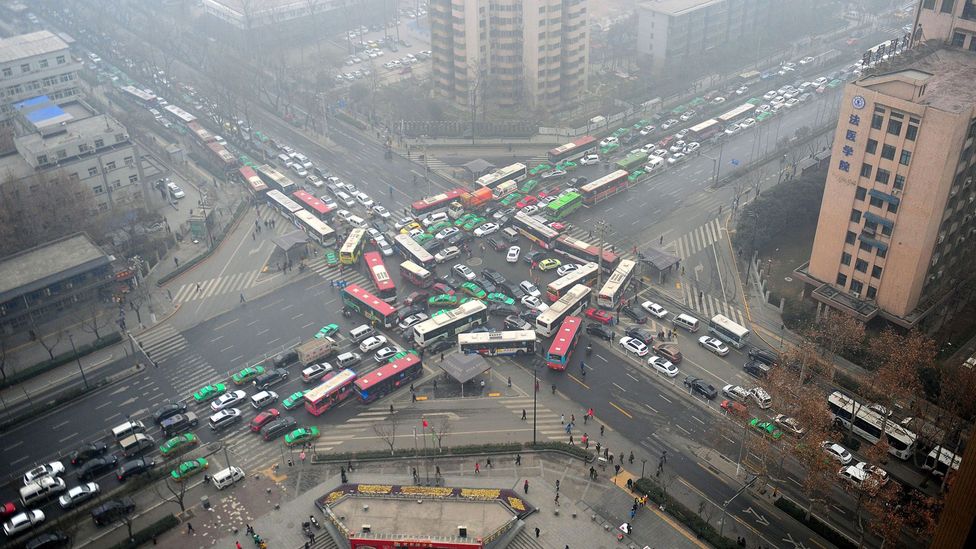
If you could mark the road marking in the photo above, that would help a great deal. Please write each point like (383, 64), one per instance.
(574, 378)
(264, 331)
(632, 377)
(102, 405)
(682, 428)
(113, 416)
(237, 358)
(289, 306)
(59, 425)
(273, 340)
(698, 420)
(253, 322)
(601, 358)
(666, 399)
(214, 340)
(225, 349)
(72, 435)
(299, 315)
(619, 387)
(622, 411)
(307, 325)
(16, 461)
(794, 481)
(16, 444)
(651, 408)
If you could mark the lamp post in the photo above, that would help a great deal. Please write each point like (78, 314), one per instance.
(535, 395)
(643, 463)
(71, 338)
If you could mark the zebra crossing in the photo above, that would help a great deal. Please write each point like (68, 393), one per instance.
(215, 286)
(697, 240)
(333, 272)
(187, 371)
(548, 423)
(429, 160)
(711, 306)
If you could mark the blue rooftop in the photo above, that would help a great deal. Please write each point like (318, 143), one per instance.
(45, 113)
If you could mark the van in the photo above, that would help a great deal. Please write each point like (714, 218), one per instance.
(761, 355)
(111, 511)
(361, 332)
(284, 159)
(853, 474)
(687, 322)
(345, 199)
(40, 490)
(435, 218)
(128, 428)
(345, 360)
(226, 477)
(356, 221)
(510, 235)
(136, 444)
(180, 422)
(761, 397)
(264, 399)
(654, 163)
(756, 369)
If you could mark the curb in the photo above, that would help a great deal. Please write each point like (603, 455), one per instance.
(230, 228)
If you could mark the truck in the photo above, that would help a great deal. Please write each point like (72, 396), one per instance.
(476, 199)
(315, 349)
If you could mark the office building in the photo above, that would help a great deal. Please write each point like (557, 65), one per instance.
(509, 52)
(949, 21)
(34, 64)
(897, 227)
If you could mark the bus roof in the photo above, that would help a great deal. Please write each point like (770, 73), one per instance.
(584, 141)
(363, 296)
(311, 201)
(330, 385)
(564, 337)
(386, 371)
(486, 337)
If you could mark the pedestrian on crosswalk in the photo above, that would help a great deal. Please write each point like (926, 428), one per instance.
(198, 286)
(242, 298)
(523, 414)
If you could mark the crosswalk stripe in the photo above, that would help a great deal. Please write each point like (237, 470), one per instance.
(178, 295)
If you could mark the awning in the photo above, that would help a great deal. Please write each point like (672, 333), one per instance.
(478, 166)
(873, 242)
(659, 259)
(873, 218)
(288, 241)
(889, 198)
(463, 368)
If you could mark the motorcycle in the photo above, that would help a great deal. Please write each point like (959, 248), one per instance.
(589, 349)
(314, 522)
(346, 313)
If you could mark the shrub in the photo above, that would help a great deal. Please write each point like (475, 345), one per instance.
(798, 314)
(702, 528)
(61, 359)
(815, 524)
(342, 115)
(146, 534)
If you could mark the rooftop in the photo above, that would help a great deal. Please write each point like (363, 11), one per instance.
(948, 75)
(48, 263)
(30, 45)
(677, 7)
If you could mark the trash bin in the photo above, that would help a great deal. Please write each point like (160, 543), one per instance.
(205, 502)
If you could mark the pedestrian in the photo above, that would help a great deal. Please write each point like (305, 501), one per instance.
(572, 418)
(606, 453)
(556, 499)
(601, 430)
(518, 459)
(189, 528)
(238, 545)
(249, 529)
(437, 470)
(391, 408)
(536, 528)
(585, 418)
(254, 235)
(616, 469)
(598, 447)
(177, 261)
(509, 382)
(442, 357)
(525, 486)
(562, 419)
(553, 388)
(198, 286)
(523, 414)
(586, 441)
(661, 240)
(242, 298)
(477, 468)
(488, 463)
(633, 513)
(631, 457)
(569, 428)
(571, 440)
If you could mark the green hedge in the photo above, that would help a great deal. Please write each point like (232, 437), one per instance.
(61, 359)
(822, 529)
(702, 528)
(342, 115)
(147, 534)
(453, 451)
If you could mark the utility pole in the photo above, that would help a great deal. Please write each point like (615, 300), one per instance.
(601, 229)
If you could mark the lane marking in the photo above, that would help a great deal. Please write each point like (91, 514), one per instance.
(622, 411)
(619, 387)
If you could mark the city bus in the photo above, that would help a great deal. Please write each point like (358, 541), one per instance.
(562, 346)
(723, 328)
(615, 286)
(141, 97)
(704, 130)
(389, 377)
(584, 252)
(515, 172)
(330, 393)
(569, 304)
(314, 206)
(250, 178)
(417, 275)
(179, 115)
(535, 230)
(385, 287)
(375, 309)
(276, 179)
(736, 114)
(564, 205)
(437, 202)
(468, 315)
(871, 425)
(284, 205)
(315, 228)
(940, 460)
(585, 275)
(632, 161)
(352, 248)
(605, 187)
(411, 251)
(574, 149)
(513, 342)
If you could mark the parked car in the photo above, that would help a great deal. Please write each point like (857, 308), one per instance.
(700, 387)
(634, 314)
(714, 345)
(669, 351)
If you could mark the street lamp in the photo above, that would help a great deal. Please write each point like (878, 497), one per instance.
(77, 359)
(535, 394)
(643, 463)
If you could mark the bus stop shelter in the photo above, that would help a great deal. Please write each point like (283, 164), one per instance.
(478, 167)
(463, 368)
(292, 244)
(658, 262)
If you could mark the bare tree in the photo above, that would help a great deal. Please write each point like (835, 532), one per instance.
(176, 490)
(48, 341)
(440, 429)
(837, 333)
(386, 431)
(92, 317)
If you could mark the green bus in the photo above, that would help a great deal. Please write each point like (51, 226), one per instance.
(632, 162)
(563, 206)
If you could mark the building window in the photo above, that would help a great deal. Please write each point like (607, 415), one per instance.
(899, 182)
(882, 176)
(60, 60)
(906, 157)
(947, 6)
(872, 291)
(856, 216)
(92, 172)
(133, 178)
(99, 143)
(42, 159)
(845, 258)
(872, 146)
(886, 230)
(860, 193)
(861, 266)
(97, 189)
(117, 184)
(25, 68)
(972, 44)
(876, 202)
(7, 71)
(866, 170)
(958, 39)
(119, 137)
(894, 127)
(928, 4)
(888, 151)
(110, 165)
(856, 286)
(882, 253)
(892, 207)
(841, 280)
(42, 63)
(877, 121)
(864, 246)
(851, 237)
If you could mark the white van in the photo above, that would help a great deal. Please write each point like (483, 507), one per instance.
(356, 221)
(264, 399)
(761, 397)
(136, 444)
(127, 429)
(345, 360)
(853, 474)
(654, 163)
(434, 218)
(226, 477)
(284, 159)
(361, 332)
(687, 322)
(40, 490)
(345, 199)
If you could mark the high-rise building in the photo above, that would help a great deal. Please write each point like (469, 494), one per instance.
(950, 21)
(34, 64)
(509, 52)
(897, 227)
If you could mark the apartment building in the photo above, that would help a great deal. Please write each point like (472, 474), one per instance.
(950, 21)
(510, 52)
(897, 226)
(34, 64)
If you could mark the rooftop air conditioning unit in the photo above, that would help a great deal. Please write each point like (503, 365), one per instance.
(857, 295)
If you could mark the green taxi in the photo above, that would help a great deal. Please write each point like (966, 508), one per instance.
(619, 132)
(609, 148)
(528, 186)
(442, 300)
(474, 224)
(544, 167)
(188, 469)
(439, 312)
(473, 290)
(438, 227)
(209, 392)
(636, 175)
(402, 354)
(331, 257)
(302, 435)
(423, 237)
(767, 428)
(294, 400)
(327, 330)
(498, 297)
(247, 374)
(464, 219)
(509, 200)
(179, 444)
(567, 166)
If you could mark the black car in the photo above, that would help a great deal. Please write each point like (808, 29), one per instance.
(505, 212)
(494, 276)
(456, 239)
(282, 360)
(501, 309)
(111, 511)
(630, 138)
(599, 330)
(761, 355)
(279, 427)
(450, 281)
(87, 452)
(534, 257)
(578, 181)
(515, 322)
(178, 423)
(440, 346)
(642, 335)
(486, 285)
(167, 410)
(496, 245)
(531, 315)
(634, 314)
(270, 379)
(96, 466)
(433, 245)
(701, 387)
(134, 467)
(48, 540)
(420, 307)
(756, 369)
(480, 330)
(514, 291)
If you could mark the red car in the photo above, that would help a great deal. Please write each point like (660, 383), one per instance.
(526, 201)
(442, 288)
(598, 315)
(736, 408)
(416, 297)
(557, 226)
(666, 142)
(7, 510)
(263, 418)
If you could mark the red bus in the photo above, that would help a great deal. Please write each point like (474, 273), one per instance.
(389, 377)
(564, 343)
(419, 276)
(314, 206)
(436, 202)
(605, 187)
(385, 287)
(357, 299)
(585, 252)
(335, 388)
(573, 150)
(253, 182)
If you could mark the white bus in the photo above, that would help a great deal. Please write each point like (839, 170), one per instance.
(940, 460)
(513, 342)
(515, 172)
(285, 206)
(585, 275)
(416, 274)
(616, 285)
(730, 332)
(871, 425)
(411, 251)
(570, 304)
(315, 228)
(469, 315)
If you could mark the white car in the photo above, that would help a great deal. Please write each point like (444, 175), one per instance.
(23, 521)
(691, 147)
(381, 211)
(634, 345)
(447, 233)
(662, 366)
(315, 372)
(668, 123)
(762, 108)
(806, 60)
(678, 157)
(649, 148)
(386, 353)
(732, 129)
(530, 209)
(78, 494)
(464, 271)
(789, 425)
(364, 199)
(52, 469)
(718, 100)
(513, 254)
(447, 254)
(412, 320)
(819, 82)
(403, 222)
(660, 153)
(677, 147)
(590, 159)
(371, 343)
(714, 345)
(530, 288)
(655, 309)
(686, 116)
(329, 202)
(228, 400)
(564, 270)
(552, 174)
(879, 474)
(681, 133)
(742, 90)
(299, 170)
(345, 215)
(415, 232)
(736, 392)
(748, 123)
(792, 102)
(384, 247)
(608, 141)
(837, 452)
(769, 95)
(647, 130)
(534, 303)
(486, 229)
